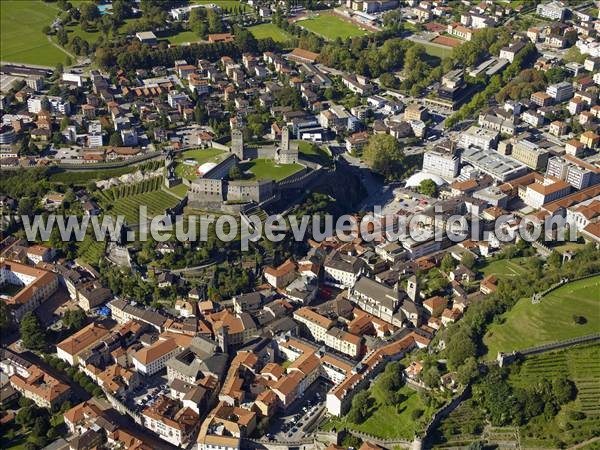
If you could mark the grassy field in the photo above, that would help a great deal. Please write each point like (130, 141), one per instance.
(183, 37)
(200, 156)
(331, 27)
(314, 153)
(269, 30)
(436, 51)
(505, 268)
(21, 37)
(580, 364)
(528, 325)
(262, 169)
(388, 421)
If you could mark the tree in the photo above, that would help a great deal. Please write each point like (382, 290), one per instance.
(215, 24)
(74, 319)
(563, 390)
(235, 173)
(467, 260)
(428, 188)
(89, 11)
(467, 371)
(46, 29)
(115, 139)
(431, 376)
(360, 407)
(384, 155)
(32, 333)
(460, 346)
(448, 263)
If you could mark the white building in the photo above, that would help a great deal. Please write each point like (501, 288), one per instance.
(57, 105)
(553, 10)
(152, 359)
(95, 134)
(560, 91)
(446, 165)
(480, 138)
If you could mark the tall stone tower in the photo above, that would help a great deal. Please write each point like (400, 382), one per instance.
(412, 288)
(237, 143)
(288, 153)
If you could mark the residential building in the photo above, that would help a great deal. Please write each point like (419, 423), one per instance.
(446, 165)
(479, 137)
(282, 275)
(554, 10)
(560, 91)
(43, 389)
(170, 421)
(71, 349)
(578, 173)
(538, 194)
(342, 270)
(530, 154)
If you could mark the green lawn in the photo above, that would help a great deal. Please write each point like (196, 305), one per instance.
(388, 421)
(331, 27)
(263, 169)
(200, 156)
(527, 325)
(224, 4)
(506, 268)
(21, 37)
(436, 51)
(183, 37)
(270, 30)
(315, 153)
(179, 190)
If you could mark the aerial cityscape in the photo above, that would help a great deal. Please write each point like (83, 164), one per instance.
(300, 224)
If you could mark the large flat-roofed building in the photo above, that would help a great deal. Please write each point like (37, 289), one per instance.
(36, 286)
(480, 138)
(530, 154)
(500, 167)
(553, 10)
(560, 91)
(445, 165)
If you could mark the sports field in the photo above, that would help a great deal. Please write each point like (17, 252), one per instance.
(527, 325)
(269, 30)
(21, 37)
(331, 27)
(263, 169)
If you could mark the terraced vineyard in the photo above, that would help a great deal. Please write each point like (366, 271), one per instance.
(126, 200)
(580, 364)
(576, 422)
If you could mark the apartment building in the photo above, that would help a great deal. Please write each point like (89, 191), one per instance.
(480, 138)
(578, 173)
(530, 154)
(554, 10)
(560, 91)
(446, 165)
(170, 421)
(57, 105)
(42, 388)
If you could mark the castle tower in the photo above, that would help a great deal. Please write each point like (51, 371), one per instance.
(237, 143)
(288, 153)
(412, 288)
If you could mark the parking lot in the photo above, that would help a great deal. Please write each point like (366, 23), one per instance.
(301, 417)
(148, 392)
